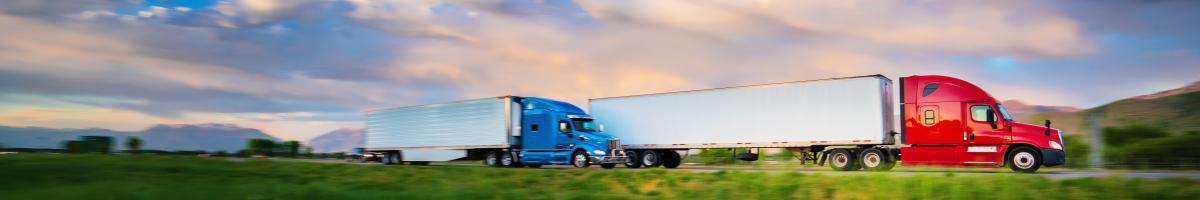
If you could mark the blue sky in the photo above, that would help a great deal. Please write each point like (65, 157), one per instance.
(300, 68)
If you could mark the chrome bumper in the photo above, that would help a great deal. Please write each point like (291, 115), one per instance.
(616, 156)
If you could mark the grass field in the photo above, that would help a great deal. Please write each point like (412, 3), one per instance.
(45, 176)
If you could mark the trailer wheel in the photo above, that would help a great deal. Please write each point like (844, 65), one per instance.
(608, 165)
(580, 159)
(506, 159)
(391, 158)
(632, 160)
(1024, 159)
(842, 160)
(874, 159)
(671, 159)
(651, 158)
(492, 159)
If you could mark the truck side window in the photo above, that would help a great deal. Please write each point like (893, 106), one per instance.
(929, 89)
(930, 117)
(533, 127)
(979, 113)
(564, 127)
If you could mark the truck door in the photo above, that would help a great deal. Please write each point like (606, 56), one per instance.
(564, 139)
(983, 141)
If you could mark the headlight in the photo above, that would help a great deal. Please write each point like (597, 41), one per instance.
(598, 152)
(1055, 145)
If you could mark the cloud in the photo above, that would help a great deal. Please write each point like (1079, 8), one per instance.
(286, 66)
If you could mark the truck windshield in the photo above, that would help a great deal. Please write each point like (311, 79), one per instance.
(584, 125)
(1004, 113)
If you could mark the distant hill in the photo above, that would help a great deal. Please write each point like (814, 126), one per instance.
(208, 137)
(1019, 109)
(1176, 110)
(341, 140)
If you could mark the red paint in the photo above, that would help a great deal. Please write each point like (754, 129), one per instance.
(939, 129)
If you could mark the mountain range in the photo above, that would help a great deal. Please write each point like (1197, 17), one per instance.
(1176, 110)
(207, 137)
(341, 140)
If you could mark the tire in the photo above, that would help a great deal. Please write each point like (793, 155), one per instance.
(580, 159)
(651, 158)
(874, 159)
(608, 165)
(1024, 160)
(506, 159)
(632, 160)
(391, 158)
(491, 159)
(671, 159)
(843, 160)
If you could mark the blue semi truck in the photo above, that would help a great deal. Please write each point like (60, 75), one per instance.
(508, 131)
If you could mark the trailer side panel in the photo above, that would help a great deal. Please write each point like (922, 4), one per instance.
(480, 123)
(823, 112)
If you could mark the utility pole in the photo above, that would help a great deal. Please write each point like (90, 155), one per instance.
(1097, 141)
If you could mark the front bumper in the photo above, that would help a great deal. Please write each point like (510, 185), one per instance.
(608, 159)
(616, 156)
(1053, 157)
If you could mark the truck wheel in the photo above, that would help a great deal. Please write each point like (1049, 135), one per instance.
(1024, 159)
(874, 159)
(842, 160)
(651, 158)
(608, 165)
(492, 159)
(391, 158)
(580, 159)
(632, 160)
(506, 159)
(671, 159)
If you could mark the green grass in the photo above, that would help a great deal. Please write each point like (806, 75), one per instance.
(43, 176)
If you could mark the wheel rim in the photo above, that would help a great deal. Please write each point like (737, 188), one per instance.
(1023, 160)
(507, 160)
(872, 160)
(491, 159)
(840, 160)
(649, 159)
(580, 160)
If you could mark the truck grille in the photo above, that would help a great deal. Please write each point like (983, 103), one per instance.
(614, 144)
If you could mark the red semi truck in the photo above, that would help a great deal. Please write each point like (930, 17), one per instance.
(847, 122)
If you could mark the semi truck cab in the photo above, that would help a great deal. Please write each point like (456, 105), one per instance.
(951, 122)
(555, 132)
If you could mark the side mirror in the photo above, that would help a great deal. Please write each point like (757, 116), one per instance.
(991, 118)
(600, 127)
(1047, 127)
(562, 127)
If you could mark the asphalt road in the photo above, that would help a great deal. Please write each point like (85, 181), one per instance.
(1053, 173)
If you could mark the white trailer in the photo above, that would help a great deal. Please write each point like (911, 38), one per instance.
(802, 116)
(443, 132)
